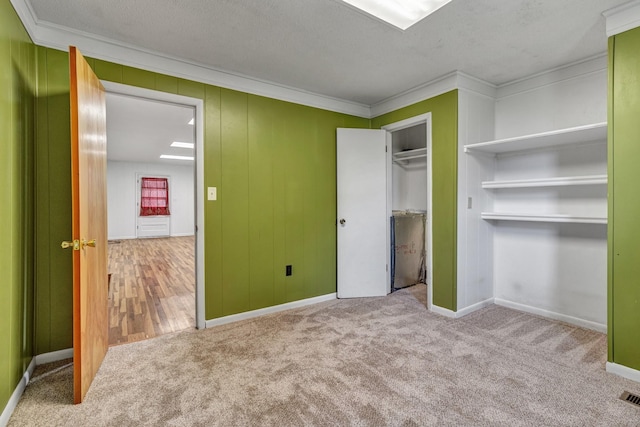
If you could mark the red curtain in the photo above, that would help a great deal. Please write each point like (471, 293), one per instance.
(154, 197)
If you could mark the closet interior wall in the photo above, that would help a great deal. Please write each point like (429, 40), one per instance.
(549, 268)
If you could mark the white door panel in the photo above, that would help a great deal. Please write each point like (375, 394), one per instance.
(362, 213)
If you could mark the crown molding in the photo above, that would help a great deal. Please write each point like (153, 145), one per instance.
(622, 18)
(50, 35)
(54, 36)
(446, 83)
(585, 67)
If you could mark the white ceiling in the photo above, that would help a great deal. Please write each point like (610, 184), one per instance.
(324, 47)
(328, 48)
(140, 130)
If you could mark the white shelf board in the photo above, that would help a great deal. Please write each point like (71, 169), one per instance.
(547, 182)
(406, 155)
(543, 218)
(575, 135)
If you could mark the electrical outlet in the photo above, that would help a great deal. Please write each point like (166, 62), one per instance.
(288, 271)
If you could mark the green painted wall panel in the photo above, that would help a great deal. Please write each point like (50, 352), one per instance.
(58, 212)
(191, 88)
(624, 240)
(17, 112)
(444, 114)
(43, 195)
(233, 195)
(213, 211)
(261, 217)
(167, 84)
(139, 78)
(280, 163)
(108, 71)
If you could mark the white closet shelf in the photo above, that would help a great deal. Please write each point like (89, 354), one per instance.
(547, 182)
(543, 218)
(406, 155)
(574, 135)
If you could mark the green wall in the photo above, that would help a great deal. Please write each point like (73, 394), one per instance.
(624, 203)
(273, 163)
(17, 92)
(444, 114)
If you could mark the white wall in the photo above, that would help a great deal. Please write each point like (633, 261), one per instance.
(474, 269)
(567, 97)
(557, 269)
(121, 197)
(410, 185)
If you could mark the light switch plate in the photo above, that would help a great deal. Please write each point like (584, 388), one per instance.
(212, 193)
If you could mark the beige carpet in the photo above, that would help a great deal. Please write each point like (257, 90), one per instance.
(361, 362)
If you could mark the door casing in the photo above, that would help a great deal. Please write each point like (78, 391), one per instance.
(390, 128)
(198, 106)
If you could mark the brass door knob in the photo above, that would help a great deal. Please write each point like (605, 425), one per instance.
(75, 244)
(91, 243)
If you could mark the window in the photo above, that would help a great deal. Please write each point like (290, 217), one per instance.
(154, 196)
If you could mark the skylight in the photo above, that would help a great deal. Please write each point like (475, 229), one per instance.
(400, 13)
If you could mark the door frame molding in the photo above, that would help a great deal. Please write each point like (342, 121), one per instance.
(198, 105)
(390, 128)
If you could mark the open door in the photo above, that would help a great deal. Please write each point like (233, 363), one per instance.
(362, 212)
(89, 218)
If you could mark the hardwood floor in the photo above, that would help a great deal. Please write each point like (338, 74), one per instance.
(152, 287)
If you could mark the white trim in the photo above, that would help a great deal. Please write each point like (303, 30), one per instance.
(17, 393)
(584, 67)
(54, 356)
(269, 310)
(390, 128)
(623, 371)
(198, 104)
(474, 307)
(122, 237)
(443, 311)
(553, 315)
(444, 84)
(461, 313)
(182, 234)
(622, 18)
(46, 34)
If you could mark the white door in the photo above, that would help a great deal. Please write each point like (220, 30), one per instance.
(362, 213)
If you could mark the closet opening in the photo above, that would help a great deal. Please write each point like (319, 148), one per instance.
(409, 204)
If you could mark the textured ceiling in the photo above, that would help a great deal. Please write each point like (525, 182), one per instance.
(326, 47)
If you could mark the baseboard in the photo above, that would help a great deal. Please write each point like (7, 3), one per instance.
(182, 234)
(463, 312)
(443, 311)
(268, 310)
(588, 324)
(623, 371)
(474, 307)
(17, 393)
(121, 237)
(53, 356)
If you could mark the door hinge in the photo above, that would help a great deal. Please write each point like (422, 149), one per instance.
(386, 149)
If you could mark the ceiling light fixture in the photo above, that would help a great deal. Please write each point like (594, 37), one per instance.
(171, 156)
(192, 121)
(179, 144)
(399, 13)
